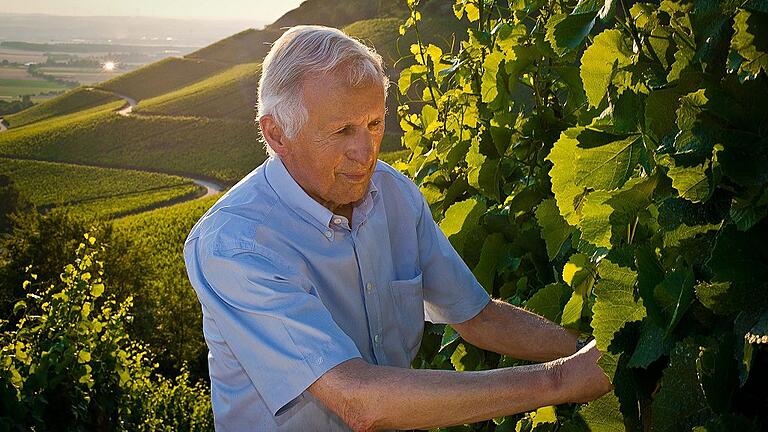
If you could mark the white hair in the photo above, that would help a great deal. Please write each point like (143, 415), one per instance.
(308, 52)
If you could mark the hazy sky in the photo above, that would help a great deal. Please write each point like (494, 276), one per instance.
(262, 10)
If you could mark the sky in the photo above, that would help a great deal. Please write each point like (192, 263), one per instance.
(261, 10)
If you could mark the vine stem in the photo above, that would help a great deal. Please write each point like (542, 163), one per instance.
(636, 38)
(424, 59)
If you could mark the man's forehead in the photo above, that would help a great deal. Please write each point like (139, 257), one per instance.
(337, 100)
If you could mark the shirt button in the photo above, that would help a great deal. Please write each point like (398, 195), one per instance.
(377, 338)
(369, 287)
(337, 221)
(329, 233)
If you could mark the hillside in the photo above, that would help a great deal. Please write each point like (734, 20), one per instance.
(71, 102)
(230, 94)
(161, 77)
(105, 192)
(195, 113)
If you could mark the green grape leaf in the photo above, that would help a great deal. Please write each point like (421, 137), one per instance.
(461, 214)
(652, 344)
(579, 273)
(544, 415)
(606, 166)
(562, 175)
(566, 32)
(483, 172)
(601, 7)
(554, 229)
(749, 55)
(490, 256)
(680, 403)
(615, 305)
(549, 301)
(450, 335)
(609, 51)
(489, 87)
(572, 311)
(674, 295)
(691, 182)
(595, 219)
(603, 414)
(683, 232)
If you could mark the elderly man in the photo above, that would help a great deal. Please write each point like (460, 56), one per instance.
(317, 271)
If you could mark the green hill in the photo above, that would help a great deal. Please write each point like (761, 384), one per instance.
(230, 94)
(161, 77)
(219, 149)
(104, 192)
(248, 46)
(79, 99)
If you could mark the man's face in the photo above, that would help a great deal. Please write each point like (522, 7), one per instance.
(334, 155)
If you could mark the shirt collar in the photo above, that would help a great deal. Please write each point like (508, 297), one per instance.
(296, 198)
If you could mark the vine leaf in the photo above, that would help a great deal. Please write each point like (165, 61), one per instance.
(615, 305)
(565, 32)
(606, 166)
(562, 174)
(680, 403)
(464, 213)
(490, 256)
(608, 52)
(747, 57)
(675, 295)
(554, 229)
(549, 301)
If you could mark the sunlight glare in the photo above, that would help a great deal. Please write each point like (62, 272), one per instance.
(109, 66)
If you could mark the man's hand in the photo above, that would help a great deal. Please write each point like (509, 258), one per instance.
(581, 376)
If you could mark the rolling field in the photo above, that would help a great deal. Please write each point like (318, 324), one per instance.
(104, 192)
(82, 75)
(21, 56)
(161, 77)
(213, 148)
(230, 94)
(248, 46)
(32, 86)
(71, 102)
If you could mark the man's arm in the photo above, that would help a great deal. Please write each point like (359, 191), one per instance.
(506, 329)
(371, 397)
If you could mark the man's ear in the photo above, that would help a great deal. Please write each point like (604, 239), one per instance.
(273, 135)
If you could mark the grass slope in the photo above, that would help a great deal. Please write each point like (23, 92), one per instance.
(102, 191)
(248, 46)
(79, 99)
(230, 94)
(161, 77)
(214, 148)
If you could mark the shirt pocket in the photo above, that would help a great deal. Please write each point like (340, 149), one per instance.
(409, 310)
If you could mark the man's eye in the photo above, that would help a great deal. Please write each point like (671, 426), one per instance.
(342, 131)
(375, 124)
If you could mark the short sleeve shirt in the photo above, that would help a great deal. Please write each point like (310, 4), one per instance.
(289, 290)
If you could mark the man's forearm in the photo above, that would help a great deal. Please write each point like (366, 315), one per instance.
(397, 398)
(509, 330)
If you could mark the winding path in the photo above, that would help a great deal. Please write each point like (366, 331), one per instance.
(125, 111)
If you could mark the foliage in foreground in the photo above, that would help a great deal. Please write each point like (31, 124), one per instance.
(69, 364)
(605, 164)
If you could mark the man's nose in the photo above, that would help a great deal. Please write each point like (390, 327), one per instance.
(361, 148)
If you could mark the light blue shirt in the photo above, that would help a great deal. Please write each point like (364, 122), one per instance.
(289, 290)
